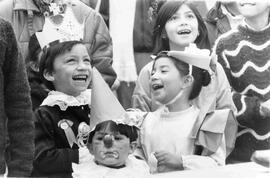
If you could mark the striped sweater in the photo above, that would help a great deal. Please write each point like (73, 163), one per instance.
(245, 56)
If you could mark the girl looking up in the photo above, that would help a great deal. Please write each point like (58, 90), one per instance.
(179, 135)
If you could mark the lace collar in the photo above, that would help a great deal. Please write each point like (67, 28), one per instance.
(64, 101)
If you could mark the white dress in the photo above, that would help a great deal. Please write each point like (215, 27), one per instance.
(171, 131)
(134, 169)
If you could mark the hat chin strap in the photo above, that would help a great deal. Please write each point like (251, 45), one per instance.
(175, 98)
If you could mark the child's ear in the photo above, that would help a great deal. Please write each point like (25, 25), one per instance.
(34, 66)
(133, 146)
(188, 81)
(90, 148)
(48, 76)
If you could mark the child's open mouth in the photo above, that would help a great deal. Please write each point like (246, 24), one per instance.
(109, 154)
(157, 86)
(80, 77)
(247, 3)
(184, 32)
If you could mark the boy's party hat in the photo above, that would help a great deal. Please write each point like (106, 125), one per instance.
(68, 30)
(104, 104)
(194, 56)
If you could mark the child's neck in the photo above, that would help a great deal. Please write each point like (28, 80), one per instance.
(114, 167)
(258, 22)
(175, 47)
(178, 107)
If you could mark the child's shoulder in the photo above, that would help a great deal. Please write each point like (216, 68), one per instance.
(137, 164)
(229, 38)
(64, 101)
(87, 169)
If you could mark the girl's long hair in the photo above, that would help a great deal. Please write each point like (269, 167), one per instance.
(166, 11)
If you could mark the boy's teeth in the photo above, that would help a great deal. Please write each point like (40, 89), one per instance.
(80, 77)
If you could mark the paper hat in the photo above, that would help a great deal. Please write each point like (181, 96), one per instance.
(104, 104)
(70, 29)
(194, 56)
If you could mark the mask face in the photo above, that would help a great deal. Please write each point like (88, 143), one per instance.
(110, 149)
(71, 71)
(182, 28)
(166, 80)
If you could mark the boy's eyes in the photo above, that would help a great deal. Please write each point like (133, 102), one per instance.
(118, 138)
(70, 60)
(174, 17)
(87, 60)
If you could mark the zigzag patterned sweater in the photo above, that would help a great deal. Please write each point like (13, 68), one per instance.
(245, 56)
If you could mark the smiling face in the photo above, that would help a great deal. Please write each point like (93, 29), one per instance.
(110, 149)
(182, 28)
(252, 8)
(166, 80)
(71, 71)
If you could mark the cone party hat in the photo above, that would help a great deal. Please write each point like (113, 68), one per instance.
(104, 104)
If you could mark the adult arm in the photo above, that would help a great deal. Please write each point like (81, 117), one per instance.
(100, 46)
(18, 108)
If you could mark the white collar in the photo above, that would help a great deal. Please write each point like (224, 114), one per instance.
(64, 101)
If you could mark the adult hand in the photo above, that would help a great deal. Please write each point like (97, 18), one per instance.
(115, 85)
(265, 108)
(84, 154)
(261, 157)
(167, 161)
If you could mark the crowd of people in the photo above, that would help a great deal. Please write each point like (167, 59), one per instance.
(201, 98)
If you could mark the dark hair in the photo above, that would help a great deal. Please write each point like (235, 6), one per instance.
(32, 59)
(167, 10)
(34, 50)
(48, 56)
(201, 76)
(129, 131)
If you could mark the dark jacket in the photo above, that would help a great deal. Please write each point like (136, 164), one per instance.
(16, 118)
(143, 26)
(38, 90)
(27, 19)
(217, 23)
(53, 154)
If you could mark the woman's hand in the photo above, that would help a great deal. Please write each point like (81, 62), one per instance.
(168, 162)
(84, 154)
(265, 108)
